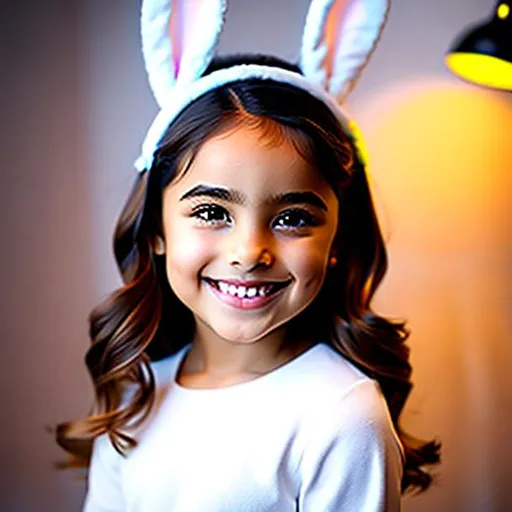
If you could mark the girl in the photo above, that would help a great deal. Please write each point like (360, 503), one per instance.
(241, 367)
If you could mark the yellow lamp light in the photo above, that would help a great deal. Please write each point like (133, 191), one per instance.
(483, 54)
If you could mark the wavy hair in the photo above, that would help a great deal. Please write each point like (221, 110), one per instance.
(128, 330)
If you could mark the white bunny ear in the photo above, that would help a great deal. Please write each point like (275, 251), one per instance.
(339, 37)
(179, 38)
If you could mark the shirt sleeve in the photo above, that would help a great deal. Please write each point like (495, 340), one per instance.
(104, 493)
(352, 461)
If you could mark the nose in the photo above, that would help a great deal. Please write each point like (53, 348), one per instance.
(250, 248)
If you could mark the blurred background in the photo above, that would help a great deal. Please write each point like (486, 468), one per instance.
(75, 107)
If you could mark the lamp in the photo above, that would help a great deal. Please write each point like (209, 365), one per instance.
(483, 54)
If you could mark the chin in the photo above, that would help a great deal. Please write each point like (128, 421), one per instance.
(247, 336)
(244, 338)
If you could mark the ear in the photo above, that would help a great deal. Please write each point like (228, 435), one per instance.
(338, 39)
(159, 246)
(179, 38)
(333, 258)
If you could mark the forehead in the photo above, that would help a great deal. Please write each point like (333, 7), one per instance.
(256, 161)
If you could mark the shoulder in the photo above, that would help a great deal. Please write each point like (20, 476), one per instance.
(351, 457)
(163, 372)
(104, 489)
(345, 407)
(360, 414)
(324, 376)
(334, 396)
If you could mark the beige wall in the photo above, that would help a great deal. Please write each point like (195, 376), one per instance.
(75, 108)
(46, 247)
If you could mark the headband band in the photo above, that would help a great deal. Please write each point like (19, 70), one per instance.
(179, 38)
(184, 96)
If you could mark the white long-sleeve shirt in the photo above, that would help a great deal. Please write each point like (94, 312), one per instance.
(312, 436)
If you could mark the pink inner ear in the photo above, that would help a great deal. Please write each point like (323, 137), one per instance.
(333, 32)
(176, 33)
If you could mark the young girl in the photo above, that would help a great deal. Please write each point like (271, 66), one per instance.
(241, 367)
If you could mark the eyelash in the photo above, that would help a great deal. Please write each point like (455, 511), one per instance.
(303, 217)
(205, 209)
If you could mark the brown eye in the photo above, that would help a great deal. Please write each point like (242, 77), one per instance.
(211, 214)
(294, 219)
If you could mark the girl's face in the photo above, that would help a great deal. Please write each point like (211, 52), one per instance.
(248, 231)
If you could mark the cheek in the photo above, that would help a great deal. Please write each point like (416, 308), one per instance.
(309, 262)
(188, 251)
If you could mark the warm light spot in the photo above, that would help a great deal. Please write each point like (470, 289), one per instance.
(441, 167)
(503, 11)
(481, 69)
(441, 157)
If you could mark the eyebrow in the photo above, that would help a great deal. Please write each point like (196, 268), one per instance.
(231, 196)
(300, 198)
(236, 197)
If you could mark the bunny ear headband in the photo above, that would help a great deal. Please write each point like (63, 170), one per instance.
(179, 38)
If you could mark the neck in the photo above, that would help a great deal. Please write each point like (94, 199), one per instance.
(212, 357)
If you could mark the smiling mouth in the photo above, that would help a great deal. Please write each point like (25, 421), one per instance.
(249, 290)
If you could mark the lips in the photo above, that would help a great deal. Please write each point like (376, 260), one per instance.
(246, 294)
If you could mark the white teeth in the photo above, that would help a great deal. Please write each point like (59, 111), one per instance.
(243, 291)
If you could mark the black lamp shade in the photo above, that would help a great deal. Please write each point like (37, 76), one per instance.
(483, 54)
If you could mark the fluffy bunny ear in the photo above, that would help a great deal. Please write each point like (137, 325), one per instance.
(339, 37)
(179, 38)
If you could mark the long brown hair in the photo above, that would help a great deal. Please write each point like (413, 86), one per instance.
(128, 330)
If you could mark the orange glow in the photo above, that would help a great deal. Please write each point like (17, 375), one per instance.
(442, 166)
(441, 161)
